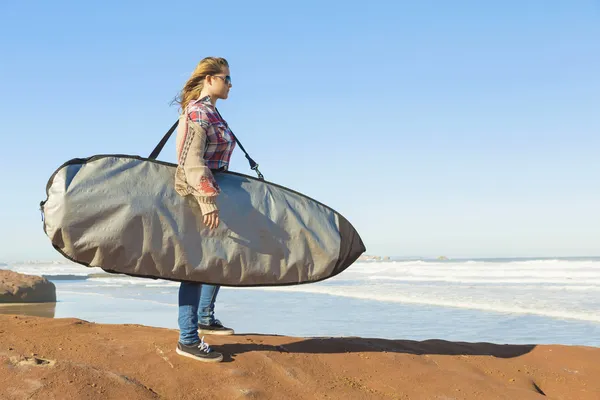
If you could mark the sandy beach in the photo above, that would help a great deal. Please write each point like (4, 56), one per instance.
(43, 358)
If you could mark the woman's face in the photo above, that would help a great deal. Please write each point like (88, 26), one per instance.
(221, 83)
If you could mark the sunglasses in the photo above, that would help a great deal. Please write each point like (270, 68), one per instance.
(226, 79)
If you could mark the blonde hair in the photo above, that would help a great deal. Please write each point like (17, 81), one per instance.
(194, 85)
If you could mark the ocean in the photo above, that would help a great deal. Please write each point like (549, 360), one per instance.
(518, 301)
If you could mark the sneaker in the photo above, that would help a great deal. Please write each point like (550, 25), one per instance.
(199, 351)
(216, 328)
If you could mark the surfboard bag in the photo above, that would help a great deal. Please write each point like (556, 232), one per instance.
(121, 213)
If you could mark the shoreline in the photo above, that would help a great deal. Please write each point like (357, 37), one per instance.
(45, 310)
(316, 315)
(540, 302)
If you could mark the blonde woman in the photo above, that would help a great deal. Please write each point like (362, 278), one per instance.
(204, 145)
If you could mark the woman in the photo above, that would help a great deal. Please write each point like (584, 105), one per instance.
(204, 145)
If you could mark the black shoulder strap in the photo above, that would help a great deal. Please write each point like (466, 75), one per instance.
(163, 141)
(253, 164)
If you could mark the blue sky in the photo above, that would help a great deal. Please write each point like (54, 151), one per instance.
(465, 129)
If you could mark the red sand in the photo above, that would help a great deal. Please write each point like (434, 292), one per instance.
(43, 358)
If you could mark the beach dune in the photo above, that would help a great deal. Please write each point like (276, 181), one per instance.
(43, 358)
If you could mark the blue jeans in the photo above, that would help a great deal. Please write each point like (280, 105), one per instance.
(196, 304)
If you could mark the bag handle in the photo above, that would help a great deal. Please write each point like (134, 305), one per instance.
(163, 141)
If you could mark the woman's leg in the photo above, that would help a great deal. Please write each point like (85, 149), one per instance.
(189, 298)
(206, 313)
(208, 296)
(189, 343)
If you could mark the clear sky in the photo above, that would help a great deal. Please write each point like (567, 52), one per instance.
(457, 128)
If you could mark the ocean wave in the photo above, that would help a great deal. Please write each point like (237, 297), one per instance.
(580, 269)
(67, 277)
(595, 280)
(136, 299)
(590, 316)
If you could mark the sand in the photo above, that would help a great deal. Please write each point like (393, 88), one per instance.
(45, 358)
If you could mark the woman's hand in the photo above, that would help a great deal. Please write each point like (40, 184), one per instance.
(212, 219)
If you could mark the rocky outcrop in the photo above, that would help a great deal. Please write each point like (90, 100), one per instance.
(21, 288)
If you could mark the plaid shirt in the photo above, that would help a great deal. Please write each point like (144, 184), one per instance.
(204, 143)
(219, 138)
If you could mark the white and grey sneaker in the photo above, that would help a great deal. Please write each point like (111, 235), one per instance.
(199, 351)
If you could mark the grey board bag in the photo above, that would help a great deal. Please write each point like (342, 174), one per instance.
(121, 213)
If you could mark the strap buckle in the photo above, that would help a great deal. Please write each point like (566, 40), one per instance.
(260, 176)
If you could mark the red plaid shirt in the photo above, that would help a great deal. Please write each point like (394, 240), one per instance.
(204, 143)
(219, 138)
